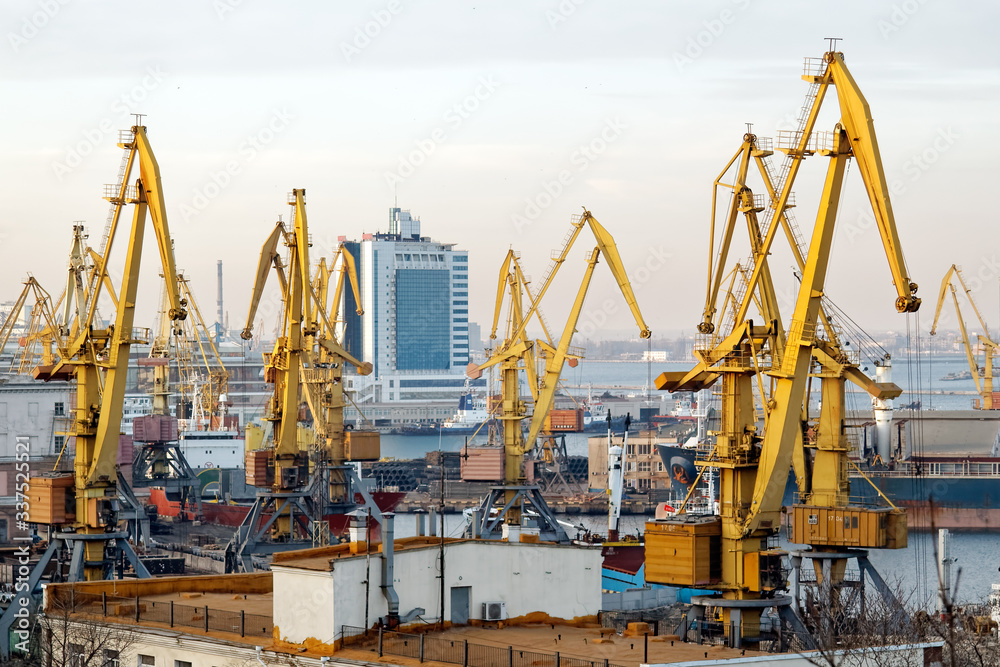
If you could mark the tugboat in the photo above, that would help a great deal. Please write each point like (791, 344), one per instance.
(472, 412)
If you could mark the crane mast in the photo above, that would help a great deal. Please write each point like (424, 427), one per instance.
(518, 352)
(306, 364)
(755, 449)
(81, 509)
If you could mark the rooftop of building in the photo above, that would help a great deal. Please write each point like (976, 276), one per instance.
(239, 613)
(233, 607)
(322, 559)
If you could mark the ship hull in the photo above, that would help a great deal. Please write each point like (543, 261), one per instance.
(967, 500)
(233, 515)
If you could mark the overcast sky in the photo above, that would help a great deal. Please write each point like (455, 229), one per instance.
(470, 113)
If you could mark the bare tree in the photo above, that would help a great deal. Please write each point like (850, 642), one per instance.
(839, 624)
(850, 626)
(72, 637)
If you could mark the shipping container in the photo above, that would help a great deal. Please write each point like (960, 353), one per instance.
(362, 446)
(260, 467)
(50, 498)
(570, 421)
(684, 552)
(849, 527)
(155, 428)
(483, 464)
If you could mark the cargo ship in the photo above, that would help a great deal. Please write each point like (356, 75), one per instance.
(957, 493)
(232, 514)
(217, 456)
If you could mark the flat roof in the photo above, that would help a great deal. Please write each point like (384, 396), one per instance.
(176, 604)
(570, 642)
(322, 559)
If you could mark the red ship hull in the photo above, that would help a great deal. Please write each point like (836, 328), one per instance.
(233, 515)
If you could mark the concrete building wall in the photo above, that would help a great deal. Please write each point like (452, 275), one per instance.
(303, 604)
(563, 582)
(33, 410)
(168, 647)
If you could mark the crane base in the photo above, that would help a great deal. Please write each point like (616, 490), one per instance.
(737, 633)
(74, 543)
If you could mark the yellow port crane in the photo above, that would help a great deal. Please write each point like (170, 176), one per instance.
(982, 375)
(42, 321)
(80, 509)
(735, 552)
(158, 459)
(292, 500)
(517, 352)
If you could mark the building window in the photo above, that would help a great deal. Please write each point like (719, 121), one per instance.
(461, 319)
(75, 655)
(60, 409)
(461, 258)
(462, 285)
(182, 663)
(644, 466)
(146, 661)
(461, 311)
(644, 450)
(629, 450)
(111, 658)
(454, 303)
(60, 440)
(460, 294)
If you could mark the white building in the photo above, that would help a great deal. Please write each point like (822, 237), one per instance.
(34, 412)
(318, 591)
(415, 327)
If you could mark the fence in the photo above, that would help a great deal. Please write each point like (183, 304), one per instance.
(662, 620)
(459, 651)
(638, 598)
(180, 615)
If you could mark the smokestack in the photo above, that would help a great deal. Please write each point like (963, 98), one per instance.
(220, 322)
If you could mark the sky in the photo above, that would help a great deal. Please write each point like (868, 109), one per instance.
(495, 123)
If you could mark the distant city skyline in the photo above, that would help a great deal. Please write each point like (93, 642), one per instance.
(495, 124)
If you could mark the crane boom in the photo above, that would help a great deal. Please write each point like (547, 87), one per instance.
(982, 377)
(268, 256)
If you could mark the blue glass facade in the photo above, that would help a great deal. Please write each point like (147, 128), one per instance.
(423, 314)
(353, 333)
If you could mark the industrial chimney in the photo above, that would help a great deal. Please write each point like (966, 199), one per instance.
(220, 320)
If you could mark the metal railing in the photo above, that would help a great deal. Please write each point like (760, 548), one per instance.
(175, 615)
(455, 651)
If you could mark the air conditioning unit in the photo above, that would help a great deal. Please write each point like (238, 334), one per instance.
(494, 611)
